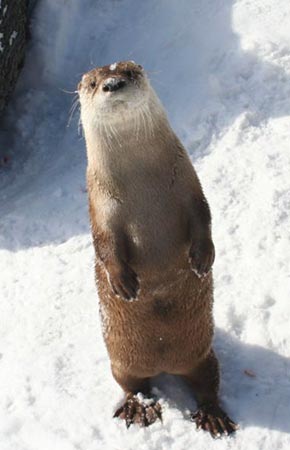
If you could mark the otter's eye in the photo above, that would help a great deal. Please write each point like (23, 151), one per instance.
(129, 73)
(93, 84)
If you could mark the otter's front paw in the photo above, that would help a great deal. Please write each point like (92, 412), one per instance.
(124, 282)
(201, 257)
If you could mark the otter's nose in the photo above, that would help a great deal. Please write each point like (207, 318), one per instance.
(113, 84)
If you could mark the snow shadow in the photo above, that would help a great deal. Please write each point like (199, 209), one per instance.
(195, 61)
(43, 197)
(255, 385)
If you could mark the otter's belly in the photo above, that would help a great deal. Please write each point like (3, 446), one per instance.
(156, 223)
(157, 245)
(167, 329)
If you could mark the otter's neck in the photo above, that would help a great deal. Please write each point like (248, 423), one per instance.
(133, 145)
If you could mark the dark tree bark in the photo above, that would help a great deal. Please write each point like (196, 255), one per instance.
(13, 35)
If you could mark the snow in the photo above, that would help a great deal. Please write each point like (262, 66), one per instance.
(1, 46)
(12, 37)
(222, 70)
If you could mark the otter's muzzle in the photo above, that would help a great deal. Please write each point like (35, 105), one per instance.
(113, 84)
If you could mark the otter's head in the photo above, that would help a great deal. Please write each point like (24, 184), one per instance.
(110, 92)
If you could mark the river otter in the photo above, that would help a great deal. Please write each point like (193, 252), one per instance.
(151, 228)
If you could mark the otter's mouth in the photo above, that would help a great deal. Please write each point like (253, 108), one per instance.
(119, 91)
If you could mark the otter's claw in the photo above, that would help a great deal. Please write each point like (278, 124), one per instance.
(135, 411)
(214, 419)
(201, 257)
(125, 283)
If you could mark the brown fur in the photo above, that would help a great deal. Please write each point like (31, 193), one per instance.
(152, 236)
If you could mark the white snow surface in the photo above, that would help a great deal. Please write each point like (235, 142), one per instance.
(222, 70)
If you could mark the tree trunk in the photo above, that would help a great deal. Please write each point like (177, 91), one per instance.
(13, 27)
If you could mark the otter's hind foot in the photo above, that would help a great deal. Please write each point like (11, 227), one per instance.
(213, 419)
(139, 410)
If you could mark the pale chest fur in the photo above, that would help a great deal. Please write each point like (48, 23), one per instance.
(151, 214)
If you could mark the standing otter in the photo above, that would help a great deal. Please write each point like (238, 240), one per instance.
(151, 229)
